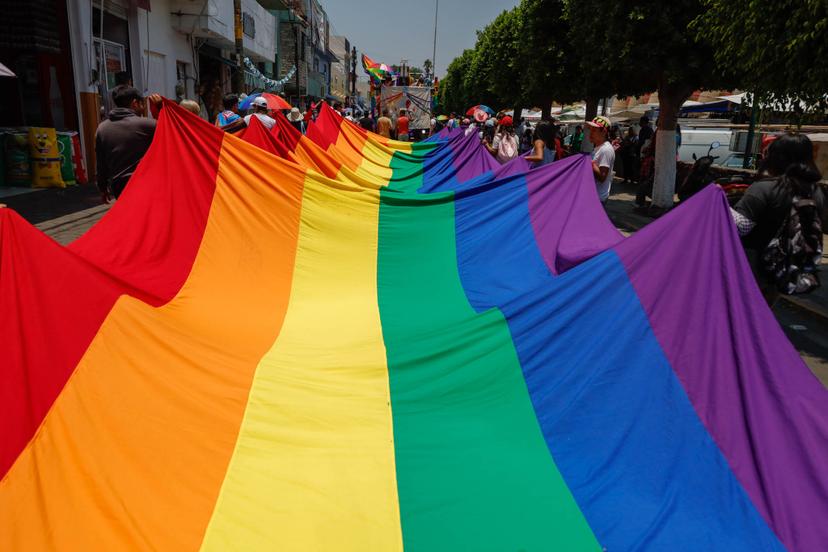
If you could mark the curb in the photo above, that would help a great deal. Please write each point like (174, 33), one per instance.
(809, 306)
(57, 224)
(628, 221)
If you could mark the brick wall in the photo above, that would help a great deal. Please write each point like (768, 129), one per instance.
(287, 57)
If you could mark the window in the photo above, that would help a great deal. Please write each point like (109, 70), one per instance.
(248, 25)
(303, 58)
(184, 80)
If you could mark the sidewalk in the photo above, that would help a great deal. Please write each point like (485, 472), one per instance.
(64, 214)
(620, 209)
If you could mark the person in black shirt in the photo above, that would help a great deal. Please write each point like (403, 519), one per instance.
(367, 122)
(645, 133)
(122, 140)
(788, 171)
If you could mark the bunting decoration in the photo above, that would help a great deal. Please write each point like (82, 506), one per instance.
(265, 82)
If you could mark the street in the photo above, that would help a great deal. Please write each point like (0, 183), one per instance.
(66, 214)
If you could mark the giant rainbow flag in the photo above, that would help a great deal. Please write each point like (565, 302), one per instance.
(341, 342)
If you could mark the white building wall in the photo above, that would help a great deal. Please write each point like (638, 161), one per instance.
(80, 38)
(158, 46)
(205, 18)
(155, 47)
(262, 47)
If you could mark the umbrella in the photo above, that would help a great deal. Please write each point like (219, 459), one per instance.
(6, 72)
(481, 107)
(274, 102)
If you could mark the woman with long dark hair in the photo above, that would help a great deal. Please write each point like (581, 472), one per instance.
(543, 143)
(790, 180)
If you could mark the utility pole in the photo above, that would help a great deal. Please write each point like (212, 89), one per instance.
(434, 51)
(238, 76)
(751, 131)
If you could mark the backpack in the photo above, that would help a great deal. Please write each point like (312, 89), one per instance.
(790, 260)
(508, 148)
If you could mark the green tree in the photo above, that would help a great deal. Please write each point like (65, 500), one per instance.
(631, 47)
(776, 49)
(427, 66)
(453, 94)
(547, 59)
(525, 57)
(495, 71)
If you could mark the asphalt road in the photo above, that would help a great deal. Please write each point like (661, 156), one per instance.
(809, 334)
(67, 214)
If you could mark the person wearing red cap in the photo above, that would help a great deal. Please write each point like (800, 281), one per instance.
(504, 146)
(603, 156)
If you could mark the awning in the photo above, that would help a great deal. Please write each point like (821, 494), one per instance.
(734, 98)
(722, 106)
(6, 72)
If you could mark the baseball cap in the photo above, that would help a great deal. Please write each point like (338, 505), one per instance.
(506, 121)
(600, 122)
(259, 102)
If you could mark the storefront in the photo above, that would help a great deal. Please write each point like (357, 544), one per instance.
(110, 31)
(35, 46)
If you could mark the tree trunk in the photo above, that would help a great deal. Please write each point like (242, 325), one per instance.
(670, 99)
(590, 112)
(516, 111)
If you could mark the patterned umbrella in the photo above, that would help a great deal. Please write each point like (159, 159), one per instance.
(274, 102)
(481, 107)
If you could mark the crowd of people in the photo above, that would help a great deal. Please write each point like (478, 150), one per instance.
(125, 134)
(780, 217)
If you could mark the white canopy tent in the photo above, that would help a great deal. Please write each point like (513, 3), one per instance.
(6, 72)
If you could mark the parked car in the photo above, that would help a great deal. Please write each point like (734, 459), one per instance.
(737, 160)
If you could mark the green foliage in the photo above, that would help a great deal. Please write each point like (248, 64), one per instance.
(453, 94)
(632, 47)
(775, 48)
(494, 69)
(521, 57)
(566, 50)
(548, 57)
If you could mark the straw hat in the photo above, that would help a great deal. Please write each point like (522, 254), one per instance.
(294, 115)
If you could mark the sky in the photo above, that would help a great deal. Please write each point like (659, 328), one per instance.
(392, 30)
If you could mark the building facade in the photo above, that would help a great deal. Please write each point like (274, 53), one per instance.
(319, 74)
(293, 46)
(67, 55)
(341, 69)
(177, 48)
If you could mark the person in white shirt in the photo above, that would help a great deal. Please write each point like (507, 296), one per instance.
(504, 146)
(261, 111)
(603, 155)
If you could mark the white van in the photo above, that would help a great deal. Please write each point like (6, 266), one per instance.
(697, 140)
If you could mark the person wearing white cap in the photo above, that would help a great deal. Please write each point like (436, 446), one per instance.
(261, 111)
(603, 156)
(296, 119)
